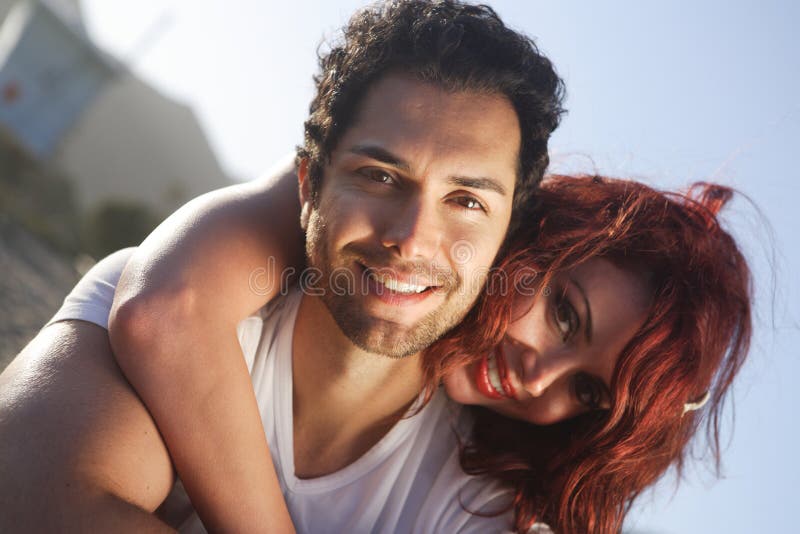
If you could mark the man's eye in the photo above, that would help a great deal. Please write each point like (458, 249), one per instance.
(587, 391)
(566, 317)
(470, 203)
(378, 175)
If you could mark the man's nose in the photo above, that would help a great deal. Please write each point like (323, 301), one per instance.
(413, 229)
(542, 369)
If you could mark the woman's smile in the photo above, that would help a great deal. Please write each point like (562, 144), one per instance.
(561, 347)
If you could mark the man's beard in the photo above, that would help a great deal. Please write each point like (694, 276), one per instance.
(371, 334)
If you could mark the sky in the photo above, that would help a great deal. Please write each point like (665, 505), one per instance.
(664, 92)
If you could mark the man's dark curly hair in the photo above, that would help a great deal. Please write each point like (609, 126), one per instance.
(456, 45)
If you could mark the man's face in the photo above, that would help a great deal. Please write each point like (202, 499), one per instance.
(412, 210)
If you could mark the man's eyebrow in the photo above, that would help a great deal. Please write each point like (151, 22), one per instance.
(489, 184)
(380, 154)
(588, 323)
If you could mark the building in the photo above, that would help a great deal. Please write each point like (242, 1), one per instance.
(70, 107)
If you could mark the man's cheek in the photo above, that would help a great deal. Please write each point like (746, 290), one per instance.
(481, 271)
(346, 219)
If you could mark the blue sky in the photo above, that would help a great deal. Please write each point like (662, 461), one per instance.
(667, 92)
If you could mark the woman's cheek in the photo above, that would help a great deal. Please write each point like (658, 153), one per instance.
(545, 410)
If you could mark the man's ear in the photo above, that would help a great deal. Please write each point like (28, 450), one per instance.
(304, 189)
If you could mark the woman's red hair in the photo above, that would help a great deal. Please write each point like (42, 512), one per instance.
(582, 475)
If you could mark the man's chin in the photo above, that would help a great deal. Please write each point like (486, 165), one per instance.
(397, 336)
(388, 340)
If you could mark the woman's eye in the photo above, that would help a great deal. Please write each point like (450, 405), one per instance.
(588, 392)
(566, 317)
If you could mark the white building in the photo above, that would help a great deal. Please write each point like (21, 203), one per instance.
(66, 103)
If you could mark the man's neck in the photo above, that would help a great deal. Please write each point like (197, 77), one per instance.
(345, 400)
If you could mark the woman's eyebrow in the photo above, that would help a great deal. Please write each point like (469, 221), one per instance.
(588, 323)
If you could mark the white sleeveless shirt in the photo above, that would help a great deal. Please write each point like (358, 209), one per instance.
(409, 482)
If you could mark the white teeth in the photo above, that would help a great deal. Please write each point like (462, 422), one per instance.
(494, 375)
(397, 286)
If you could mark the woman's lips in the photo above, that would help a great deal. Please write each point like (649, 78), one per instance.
(492, 376)
(482, 381)
(502, 367)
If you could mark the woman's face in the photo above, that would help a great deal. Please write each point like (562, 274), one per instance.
(561, 348)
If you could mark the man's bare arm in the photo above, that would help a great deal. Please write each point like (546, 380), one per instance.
(78, 450)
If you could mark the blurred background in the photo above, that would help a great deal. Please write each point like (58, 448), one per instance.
(113, 114)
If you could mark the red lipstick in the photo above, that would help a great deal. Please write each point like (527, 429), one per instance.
(502, 369)
(482, 381)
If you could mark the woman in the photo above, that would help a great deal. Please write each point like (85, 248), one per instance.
(630, 308)
(691, 337)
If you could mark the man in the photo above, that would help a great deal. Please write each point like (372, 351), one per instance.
(428, 130)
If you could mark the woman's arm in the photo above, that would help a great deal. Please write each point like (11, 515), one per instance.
(173, 330)
(78, 450)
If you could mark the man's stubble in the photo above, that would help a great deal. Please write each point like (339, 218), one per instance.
(368, 333)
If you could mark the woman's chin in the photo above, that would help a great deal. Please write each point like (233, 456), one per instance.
(460, 388)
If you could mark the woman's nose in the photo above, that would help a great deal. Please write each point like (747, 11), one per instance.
(543, 368)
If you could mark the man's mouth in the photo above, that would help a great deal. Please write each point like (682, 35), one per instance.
(396, 288)
(395, 285)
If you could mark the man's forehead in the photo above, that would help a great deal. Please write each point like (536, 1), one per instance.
(409, 98)
(412, 121)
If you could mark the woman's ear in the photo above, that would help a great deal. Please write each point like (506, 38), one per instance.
(304, 189)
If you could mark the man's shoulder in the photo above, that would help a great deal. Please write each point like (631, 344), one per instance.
(265, 325)
(271, 313)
